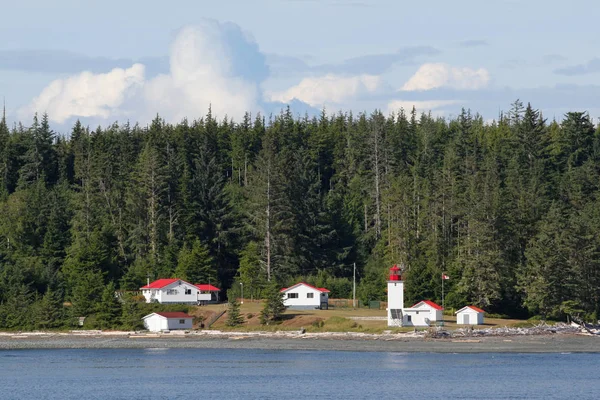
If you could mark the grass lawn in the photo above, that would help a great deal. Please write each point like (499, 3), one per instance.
(332, 320)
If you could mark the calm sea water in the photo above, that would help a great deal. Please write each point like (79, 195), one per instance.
(260, 374)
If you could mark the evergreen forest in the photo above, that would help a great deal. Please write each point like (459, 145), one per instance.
(509, 210)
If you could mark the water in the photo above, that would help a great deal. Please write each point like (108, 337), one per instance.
(279, 374)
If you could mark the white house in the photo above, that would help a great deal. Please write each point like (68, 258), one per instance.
(167, 321)
(178, 291)
(424, 313)
(304, 296)
(469, 315)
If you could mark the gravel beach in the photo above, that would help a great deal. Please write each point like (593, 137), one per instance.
(557, 343)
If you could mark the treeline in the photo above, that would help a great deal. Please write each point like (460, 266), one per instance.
(509, 210)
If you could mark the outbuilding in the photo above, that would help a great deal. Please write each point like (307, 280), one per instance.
(424, 313)
(305, 297)
(469, 315)
(167, 321)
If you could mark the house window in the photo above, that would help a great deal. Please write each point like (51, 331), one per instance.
(182, 321)
(310, 295)
(409, 318)
(292, 295)
(188, 291)
(172, 291)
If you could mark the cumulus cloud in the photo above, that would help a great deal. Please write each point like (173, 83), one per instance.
(203, 72)
(87, 94)
(419, 105)
(210, 64)
(436, 75)
(328, 89)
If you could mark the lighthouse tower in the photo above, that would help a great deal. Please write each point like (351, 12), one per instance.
(395, 297)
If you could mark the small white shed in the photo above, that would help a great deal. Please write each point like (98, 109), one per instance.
(167, 321)
(469, 315)
(304, 296)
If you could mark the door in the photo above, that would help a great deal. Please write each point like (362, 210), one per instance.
(465, 319)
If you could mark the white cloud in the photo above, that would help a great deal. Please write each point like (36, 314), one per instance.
(328, 89)
(436, 75)
(204, 71)
(201, 74)
(420, 105)
(86, 94)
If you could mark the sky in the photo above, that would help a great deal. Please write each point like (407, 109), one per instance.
(107, 61)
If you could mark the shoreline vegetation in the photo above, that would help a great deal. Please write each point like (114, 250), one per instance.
(559, 338)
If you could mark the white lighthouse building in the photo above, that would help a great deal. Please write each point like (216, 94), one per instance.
(424, 313)
(395, 291)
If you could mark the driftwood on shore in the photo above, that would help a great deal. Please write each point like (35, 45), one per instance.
(540, 329)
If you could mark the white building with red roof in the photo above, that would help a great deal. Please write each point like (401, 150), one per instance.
(305, 296)
(178, 291)
(424, 313)
(469, 315)
(167, 321)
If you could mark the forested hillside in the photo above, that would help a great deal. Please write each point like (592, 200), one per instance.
(509, 210)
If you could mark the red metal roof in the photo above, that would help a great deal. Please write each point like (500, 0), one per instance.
(429, 303)
(322, 290)
(174, 314)
(475, 309)
(207, 287)
(160, 283)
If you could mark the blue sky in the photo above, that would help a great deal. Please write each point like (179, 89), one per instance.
(102, 61)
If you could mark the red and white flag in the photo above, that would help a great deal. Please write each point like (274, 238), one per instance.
(444, 277)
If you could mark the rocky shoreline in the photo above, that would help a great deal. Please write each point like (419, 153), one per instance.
(546, 341)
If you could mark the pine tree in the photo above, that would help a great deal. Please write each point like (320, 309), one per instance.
(50, 311)
(268, 213)
(549, 278)
(4, 154)
(109, 308)
(234, 318)
(273, 308)
(195, 264)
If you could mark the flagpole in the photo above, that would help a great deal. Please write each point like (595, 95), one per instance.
(443, 309)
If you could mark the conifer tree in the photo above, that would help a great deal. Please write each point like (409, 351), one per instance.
(195, 264)
(273, 307)
(109, 308)
(234, 318)
(50, 311)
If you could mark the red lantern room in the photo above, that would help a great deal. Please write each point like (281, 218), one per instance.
(395, 273)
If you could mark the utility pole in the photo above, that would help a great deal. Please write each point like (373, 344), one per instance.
(354, 287)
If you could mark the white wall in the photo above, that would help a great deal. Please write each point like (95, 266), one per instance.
(303, 300)
(421, 315)
(436, 315)
(418, 317)
(475, 318)
(174, 323)
(395, 301)
(155, 323)
(161, 296)
(158, 323)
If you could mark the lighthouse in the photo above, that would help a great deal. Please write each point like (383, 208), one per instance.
(395, 291)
